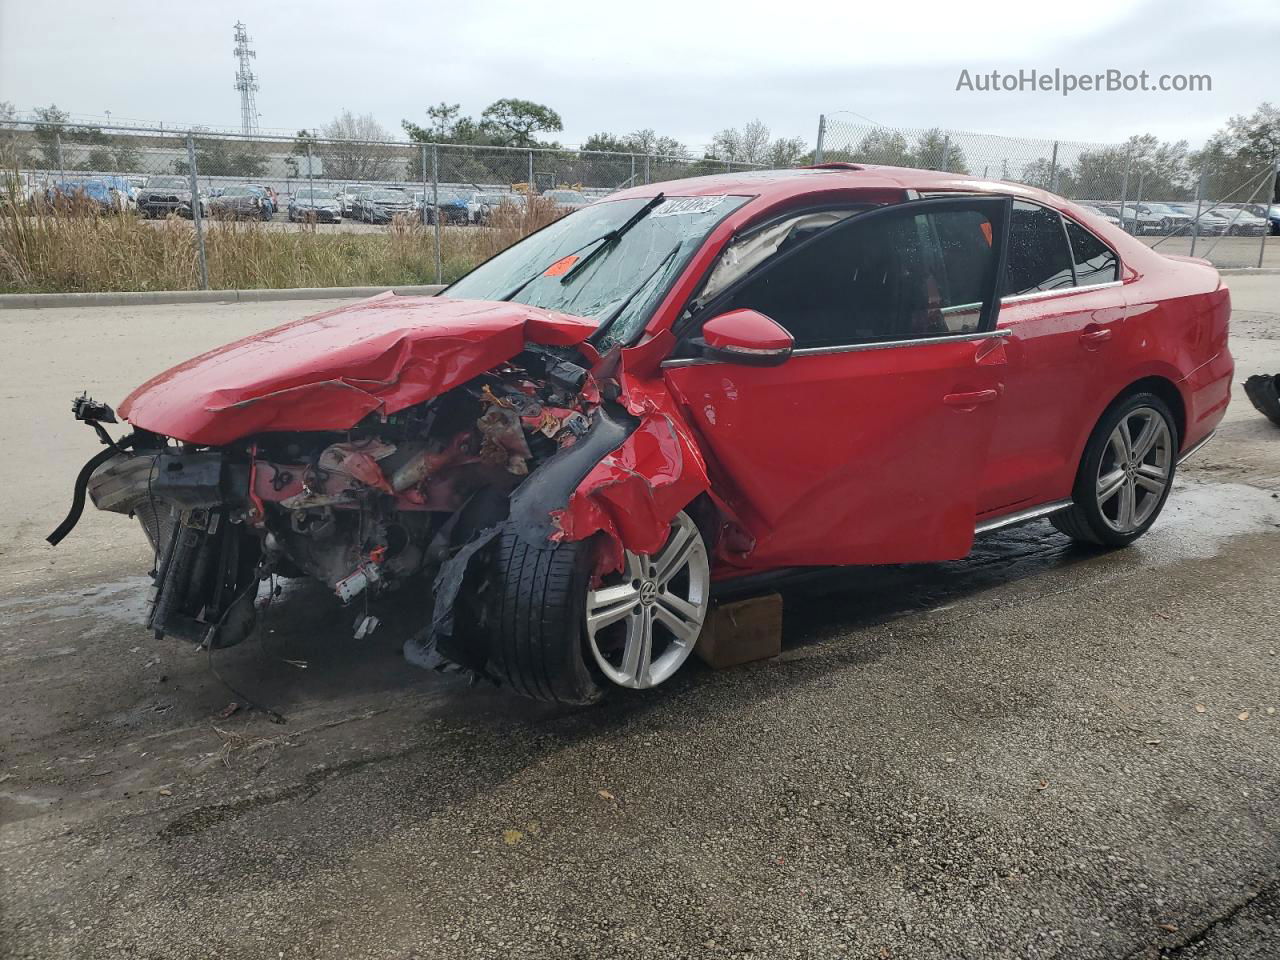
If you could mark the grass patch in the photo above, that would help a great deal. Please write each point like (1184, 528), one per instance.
(74, 249)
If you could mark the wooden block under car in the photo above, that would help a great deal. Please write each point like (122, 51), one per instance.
(741, 632)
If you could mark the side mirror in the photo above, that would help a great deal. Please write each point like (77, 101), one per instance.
(746, 337)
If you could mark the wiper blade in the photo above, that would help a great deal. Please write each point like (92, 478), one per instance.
(601, 242)
(612, 237)
(617, 312)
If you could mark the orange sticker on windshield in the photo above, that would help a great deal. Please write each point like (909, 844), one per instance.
(986, 230)
(561, 266)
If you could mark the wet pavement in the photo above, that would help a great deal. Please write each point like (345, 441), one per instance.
(1040, 751)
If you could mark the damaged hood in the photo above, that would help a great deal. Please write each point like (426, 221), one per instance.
(330, 371)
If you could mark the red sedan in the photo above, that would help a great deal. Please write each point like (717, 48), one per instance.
(566, 453)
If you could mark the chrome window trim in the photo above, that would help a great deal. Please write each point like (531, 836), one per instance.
(998, 333)
(891, 344)
(1058, 292)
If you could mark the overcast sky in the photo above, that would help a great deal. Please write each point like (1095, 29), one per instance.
(683, 67)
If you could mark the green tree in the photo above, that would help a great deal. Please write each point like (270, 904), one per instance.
(1099, 174)
(516, 121)
(220, 157)
(47, 132)
(884, 146)
(935, 150)
(1237, 158)
(13, 148)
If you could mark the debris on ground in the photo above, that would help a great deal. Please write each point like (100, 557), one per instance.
(1263, 391)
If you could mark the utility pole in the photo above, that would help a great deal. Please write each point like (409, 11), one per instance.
(246, 82)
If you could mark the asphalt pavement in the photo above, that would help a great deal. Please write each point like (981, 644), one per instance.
(1040, 751)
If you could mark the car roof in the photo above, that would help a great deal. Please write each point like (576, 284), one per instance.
(773, 188)
(780, 185)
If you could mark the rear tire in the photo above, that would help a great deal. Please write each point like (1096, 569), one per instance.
(1125, 474)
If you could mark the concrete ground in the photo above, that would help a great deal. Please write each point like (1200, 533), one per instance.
(1040, 751)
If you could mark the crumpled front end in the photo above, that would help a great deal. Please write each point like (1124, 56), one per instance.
(386, 445)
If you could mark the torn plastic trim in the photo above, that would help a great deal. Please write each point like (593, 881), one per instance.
(545, 493)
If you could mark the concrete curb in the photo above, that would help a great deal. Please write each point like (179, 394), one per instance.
(33, 301)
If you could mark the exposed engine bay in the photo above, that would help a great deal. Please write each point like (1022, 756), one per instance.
(365, 511)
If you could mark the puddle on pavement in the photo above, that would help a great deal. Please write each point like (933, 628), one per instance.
(102, 607)
(1200, 517)
(1197, 521)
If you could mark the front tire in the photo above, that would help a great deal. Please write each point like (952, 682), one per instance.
(552, 636)
(1125, 475)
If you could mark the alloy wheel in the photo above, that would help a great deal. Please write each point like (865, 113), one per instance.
(642, 622)
(1135, 471)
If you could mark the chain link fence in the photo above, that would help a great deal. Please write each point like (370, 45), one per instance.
(1215, 206)
(440, 208)
(304, 211)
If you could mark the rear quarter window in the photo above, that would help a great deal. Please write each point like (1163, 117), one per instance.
(1038, 257)
(1095, 262)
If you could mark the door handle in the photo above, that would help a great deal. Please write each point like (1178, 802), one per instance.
(1093, 336)
(967, 401)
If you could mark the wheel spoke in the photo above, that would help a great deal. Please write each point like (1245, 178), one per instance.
(675, 554)
(1147, 437)
(681, 617)
(1128, 498)
(639, 647)
(1150, 478)
(1110, 485)
(1126, 439)
(609, 605)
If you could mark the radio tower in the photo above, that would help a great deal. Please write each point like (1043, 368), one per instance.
(246, 82)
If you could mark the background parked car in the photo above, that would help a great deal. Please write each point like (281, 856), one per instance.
(1268, 212)
(486, 203)
(1241, 222)
(347, 194)
(1109, 214)
(452, 209)
(380, 204)
(165, 195)
(270, 196)
(567, 201)
(107, 197)
(315, 204)
(1160, 218)
(1211, 223)
(241, 202)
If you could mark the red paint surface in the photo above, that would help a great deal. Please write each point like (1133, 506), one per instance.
(746, 328)
(330, 371)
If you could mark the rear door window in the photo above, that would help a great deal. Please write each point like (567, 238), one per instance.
(1038, 257)
(1095, 262)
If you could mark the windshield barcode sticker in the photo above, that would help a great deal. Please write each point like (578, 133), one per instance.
(684, 205)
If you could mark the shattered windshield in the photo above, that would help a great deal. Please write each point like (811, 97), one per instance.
(620, 287)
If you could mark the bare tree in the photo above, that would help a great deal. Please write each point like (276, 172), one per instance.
(751, 144)
(355, 148)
